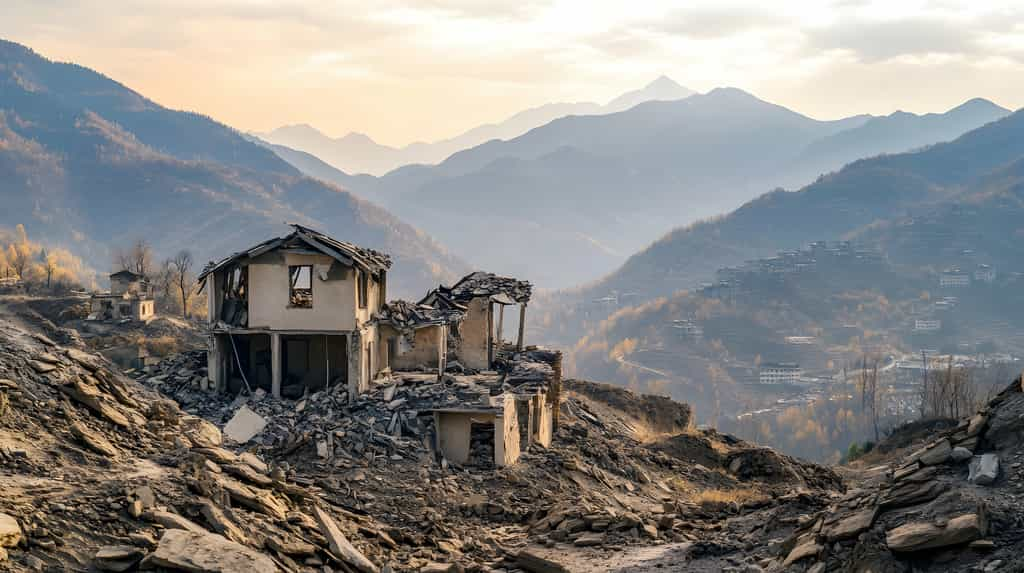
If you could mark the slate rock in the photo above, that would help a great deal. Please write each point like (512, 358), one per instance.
(207, 552)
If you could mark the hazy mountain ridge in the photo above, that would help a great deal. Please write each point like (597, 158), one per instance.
(907, 203)
(597, 187)
(358, 153)
(85, 181)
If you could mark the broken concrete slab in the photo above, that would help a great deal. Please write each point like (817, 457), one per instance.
(244, 425)
(207, 553)
(984, 469)
(917, 536)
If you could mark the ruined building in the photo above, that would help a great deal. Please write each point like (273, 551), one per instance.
(130, 297)
(305, 314)
(294, 313)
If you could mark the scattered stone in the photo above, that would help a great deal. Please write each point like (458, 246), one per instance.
(937, 453)
(207, 552)
(340, 544)
(118, 557)
(93, 441)
(529, 561)
(10, 531)
(961, 454)
(852, 525)
(917, 536)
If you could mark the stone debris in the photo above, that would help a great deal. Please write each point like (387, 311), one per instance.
(10, 531)
(207, 552)
(918, 536)
(118, 557)
(927, 502)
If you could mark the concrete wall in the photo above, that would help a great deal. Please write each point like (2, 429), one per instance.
(453, 435)
(475, 335)
(423, 352)
(335, 301)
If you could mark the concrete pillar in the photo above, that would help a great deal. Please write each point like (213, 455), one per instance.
(355, 366)
(522, 327)
(216, 355)
(490, 335)
(275, 365)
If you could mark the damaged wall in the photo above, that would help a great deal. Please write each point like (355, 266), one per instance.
(334, 300)
(423, 352)
(475, 331)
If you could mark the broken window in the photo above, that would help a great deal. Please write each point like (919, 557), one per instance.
(300, 290)
(364, 287)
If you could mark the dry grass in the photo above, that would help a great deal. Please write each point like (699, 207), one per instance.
(739, 496)
(162, 346)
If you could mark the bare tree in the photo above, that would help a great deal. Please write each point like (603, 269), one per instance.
(18, 259)
(50, 264)
(181, 272)
(137, 259)
(869, 391)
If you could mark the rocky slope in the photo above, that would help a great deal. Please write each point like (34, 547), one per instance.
(100, 471)
(950, 505)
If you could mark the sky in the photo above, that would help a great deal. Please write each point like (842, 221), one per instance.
(421, 70)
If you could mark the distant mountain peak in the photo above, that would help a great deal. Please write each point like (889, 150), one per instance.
(663, 88)
(298, 129)
(979, 104)
(664, 82)
(356, 137)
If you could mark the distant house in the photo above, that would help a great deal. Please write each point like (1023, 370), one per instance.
(954, 278)
(130, 297)
(985, 274)
(927, 325)
(779, 373)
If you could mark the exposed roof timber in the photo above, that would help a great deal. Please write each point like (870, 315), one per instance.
(371, 261)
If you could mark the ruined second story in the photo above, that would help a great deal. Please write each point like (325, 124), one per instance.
(302, 282)
(133, 284)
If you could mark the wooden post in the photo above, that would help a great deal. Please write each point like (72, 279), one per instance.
(501, 320)
(275, 365)
(442, 350)
(490, 334)
(522, 327)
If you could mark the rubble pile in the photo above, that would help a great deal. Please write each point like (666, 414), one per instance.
(96, 472)
(598, 487)
(951, 505)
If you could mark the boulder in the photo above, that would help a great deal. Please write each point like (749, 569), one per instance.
(960, 454)
(984, 469)
(207, 553)
(918, 536)
(200, 432)
(529, 561)
(936, 453)
(10, 531)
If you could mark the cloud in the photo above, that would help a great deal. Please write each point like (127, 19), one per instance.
(880, 41)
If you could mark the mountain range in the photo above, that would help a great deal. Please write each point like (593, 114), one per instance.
(93, 165)
(358, 153)
(568, 202)
(927, 210)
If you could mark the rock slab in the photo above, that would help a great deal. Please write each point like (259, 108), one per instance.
(918, 536)
(244, 425)
(207, 553)
(984, 469)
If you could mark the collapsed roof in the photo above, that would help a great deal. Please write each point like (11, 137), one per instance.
(503, 290)
(368, 260)
(405, 315)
